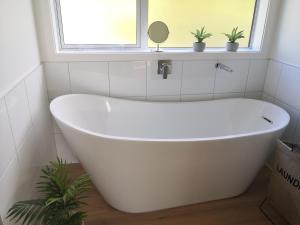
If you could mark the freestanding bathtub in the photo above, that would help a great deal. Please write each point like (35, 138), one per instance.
(146, 156)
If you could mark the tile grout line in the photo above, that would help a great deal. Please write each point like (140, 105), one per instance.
(45, 81)
(247, 78)
(13, 136)
(69, 76)
(278, 81)
(181, 81)
(266, 74)
(108, 77)
(147, 74)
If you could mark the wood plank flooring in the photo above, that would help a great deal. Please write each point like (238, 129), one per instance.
(242, 210)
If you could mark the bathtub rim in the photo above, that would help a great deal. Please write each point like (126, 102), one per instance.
(162, 140)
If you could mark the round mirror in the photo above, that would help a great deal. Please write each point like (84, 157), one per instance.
(158, 32)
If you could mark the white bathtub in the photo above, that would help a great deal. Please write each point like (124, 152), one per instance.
(145, 156)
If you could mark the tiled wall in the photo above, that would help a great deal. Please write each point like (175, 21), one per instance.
(25, 136)
(189, 81)
(282, 87)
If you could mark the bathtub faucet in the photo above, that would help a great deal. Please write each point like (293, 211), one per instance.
(164, 68)
(221, 66)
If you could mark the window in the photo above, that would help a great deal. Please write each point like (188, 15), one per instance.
(115, 24)
(98, 22)
(218, 16)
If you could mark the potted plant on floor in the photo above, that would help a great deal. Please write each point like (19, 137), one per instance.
(200, 35)
(232, 45)
(60, 201)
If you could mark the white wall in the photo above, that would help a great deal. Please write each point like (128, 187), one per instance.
(286, 46)
(282, 85)
(19, 53)
(26, 139)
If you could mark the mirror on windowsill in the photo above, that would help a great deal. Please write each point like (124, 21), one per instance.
(158, 32)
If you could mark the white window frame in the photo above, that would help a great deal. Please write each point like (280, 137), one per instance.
(255, 41)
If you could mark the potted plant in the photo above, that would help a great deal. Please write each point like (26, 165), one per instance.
(60, 201)
(232, 45)
(199, 46)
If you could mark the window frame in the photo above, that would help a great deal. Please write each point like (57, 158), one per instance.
(141, 33)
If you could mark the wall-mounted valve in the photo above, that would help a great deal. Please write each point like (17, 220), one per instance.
(164, 68)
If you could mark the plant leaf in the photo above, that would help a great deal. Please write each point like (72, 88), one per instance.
(60, 202)
(201, 35)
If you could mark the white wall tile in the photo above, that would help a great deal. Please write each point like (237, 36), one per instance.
(272, 79)
(18, 111)
(268, 98)
(89, 78)
(12, 188)
(58, 79)
(30, 156)
(235, 81)
(289, 86)
(7, 149)
(228, 95)
(194, 98)
(164, 98)
(63, 149)
(198, 77)
(254, 95)
(294, 115)
(157, 86)
(127, 78)
(257, 75)
(46, 143)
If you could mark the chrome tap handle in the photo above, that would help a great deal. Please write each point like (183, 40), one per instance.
(165, 70)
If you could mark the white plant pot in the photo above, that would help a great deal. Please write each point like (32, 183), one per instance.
(232, 47)
(199, 46)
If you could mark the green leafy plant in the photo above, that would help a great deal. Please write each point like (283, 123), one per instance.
(235, 35)
(201, 35)
(60, 201)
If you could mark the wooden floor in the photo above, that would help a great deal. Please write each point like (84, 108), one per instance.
(243, 210)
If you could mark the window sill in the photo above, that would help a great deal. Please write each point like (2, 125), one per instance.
(171, 54)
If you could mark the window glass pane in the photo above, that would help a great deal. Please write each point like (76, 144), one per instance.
(99, 21)
(218, 16)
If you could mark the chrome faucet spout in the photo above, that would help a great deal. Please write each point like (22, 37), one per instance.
(221, 66)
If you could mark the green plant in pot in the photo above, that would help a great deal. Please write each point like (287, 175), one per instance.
(232, 45)
(200, 35)
(60, 202)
